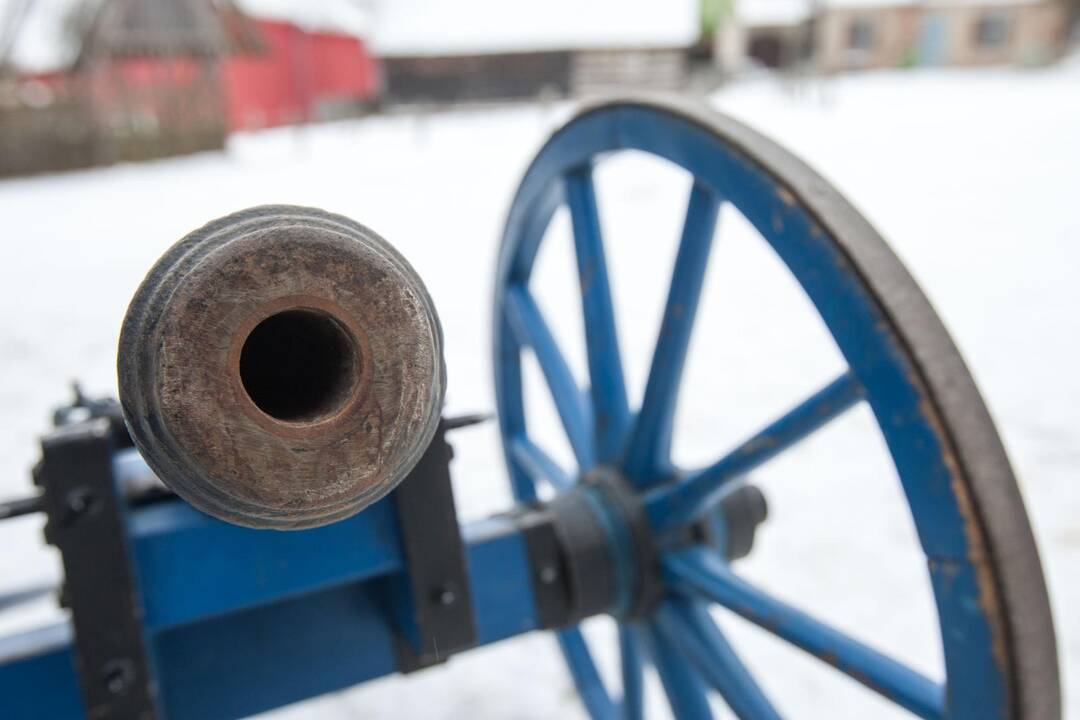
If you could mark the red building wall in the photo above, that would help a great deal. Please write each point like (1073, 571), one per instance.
(285, 83)
(296, 71)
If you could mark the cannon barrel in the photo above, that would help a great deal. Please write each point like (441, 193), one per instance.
(281, 368)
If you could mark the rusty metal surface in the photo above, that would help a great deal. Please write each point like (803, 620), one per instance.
(281, 367)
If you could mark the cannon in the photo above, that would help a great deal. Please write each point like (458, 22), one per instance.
(281, 382)
(281, 367)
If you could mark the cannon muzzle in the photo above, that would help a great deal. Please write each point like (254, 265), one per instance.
(281, 368)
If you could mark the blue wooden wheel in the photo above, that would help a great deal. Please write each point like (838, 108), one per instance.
(996, 629)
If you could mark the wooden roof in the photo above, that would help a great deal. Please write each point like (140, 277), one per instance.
(136, 28)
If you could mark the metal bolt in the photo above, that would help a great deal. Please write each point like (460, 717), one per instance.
(548, 574)
(445, 596)
(117, 675)
(78, 503)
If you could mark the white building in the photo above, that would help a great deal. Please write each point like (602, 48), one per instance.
(448, 50)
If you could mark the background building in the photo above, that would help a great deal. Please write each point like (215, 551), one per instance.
(314, 64)
(775, 33)
(85, 82)
(836, 35)
(489, 50)
(854, 34)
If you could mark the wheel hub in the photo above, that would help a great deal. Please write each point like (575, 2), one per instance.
(617, 508)
(610, 553)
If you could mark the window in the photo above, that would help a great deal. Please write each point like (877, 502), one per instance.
(767, 49)
(861, 34)
(992, 29)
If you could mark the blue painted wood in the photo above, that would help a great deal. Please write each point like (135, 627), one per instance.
(676, 504)
(700, 573)
(500, 578)
(648, 455)
(880, 360)
(511, 403)
(528, 325)
(284, 650)
(130, 469)
(348, 594)
(697, 637)
(265, 657)
(37, 675)
(633, 682)
(686, 693)
(192, 567)
(530, 224)
(538, 465)
(610, 407)
(965, 641)
(586, 677)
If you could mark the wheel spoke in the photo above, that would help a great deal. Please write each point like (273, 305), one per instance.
(674, 505)
(695, 634)
(531, 331)
(633, 705)
(701, 573)
(538, 465)
(586, 677)
(649, 450)
(605, 364)
(685, 692)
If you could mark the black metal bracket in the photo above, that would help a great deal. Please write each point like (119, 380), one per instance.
(548, 567)
(86, 521)
(441, 621)
(570, 560)
(84, 408)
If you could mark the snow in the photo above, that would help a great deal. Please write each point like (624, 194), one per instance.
(343, 16)
(768, 13)
(464, 27)
(971, 174)
(43, 45)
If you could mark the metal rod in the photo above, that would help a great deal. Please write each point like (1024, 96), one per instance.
(21, 506)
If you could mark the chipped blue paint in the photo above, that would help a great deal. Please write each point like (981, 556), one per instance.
(879, 371)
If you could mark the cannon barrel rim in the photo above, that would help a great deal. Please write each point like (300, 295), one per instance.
(185, 267)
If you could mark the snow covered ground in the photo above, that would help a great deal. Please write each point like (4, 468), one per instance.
(973, 176)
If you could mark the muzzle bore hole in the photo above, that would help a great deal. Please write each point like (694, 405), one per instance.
(299, 366)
